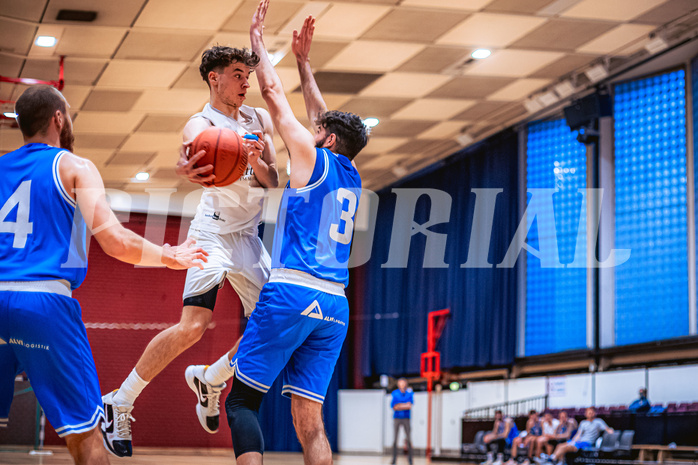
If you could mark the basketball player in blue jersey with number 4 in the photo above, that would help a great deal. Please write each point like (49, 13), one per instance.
(48, 199)
(301, 318)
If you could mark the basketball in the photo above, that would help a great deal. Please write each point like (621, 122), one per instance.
(225, 151)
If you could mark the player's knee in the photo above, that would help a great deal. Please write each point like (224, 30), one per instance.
(242, 409)
(192, 331)
(308, 429)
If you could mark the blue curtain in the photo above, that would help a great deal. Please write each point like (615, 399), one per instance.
(393, 312)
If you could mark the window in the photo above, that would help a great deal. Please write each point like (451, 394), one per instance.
(650, 187)
(556, 297)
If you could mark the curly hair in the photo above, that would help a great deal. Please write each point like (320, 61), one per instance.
(219, 56)
(351, 133)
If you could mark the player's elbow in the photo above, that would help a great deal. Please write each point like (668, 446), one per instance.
(271, 91)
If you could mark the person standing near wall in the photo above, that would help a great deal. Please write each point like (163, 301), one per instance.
(403, 398)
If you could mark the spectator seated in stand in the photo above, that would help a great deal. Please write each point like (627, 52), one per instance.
(527, 439)
(554, 432)
(501, 437)
(587, 434)
(641, 405)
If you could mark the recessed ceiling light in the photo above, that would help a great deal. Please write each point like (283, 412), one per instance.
(9, 114)
(464, 139)
(399, 171)
(480, 53)
(371, 122)
(142, 176)
(45, 41)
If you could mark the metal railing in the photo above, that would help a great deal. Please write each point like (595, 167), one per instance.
(510, 409)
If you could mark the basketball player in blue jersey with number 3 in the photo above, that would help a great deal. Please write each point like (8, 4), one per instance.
(48, 199)
(301, 318)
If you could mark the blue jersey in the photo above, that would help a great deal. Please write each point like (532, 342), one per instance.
(315, 223)
(513, 431)
(42, 234)
(400, 397)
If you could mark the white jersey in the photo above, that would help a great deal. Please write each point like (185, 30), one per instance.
(238, 206)
(549, 429)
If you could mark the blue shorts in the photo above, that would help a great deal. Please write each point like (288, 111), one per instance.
(579, 445)
(43, 335)
(295, 329)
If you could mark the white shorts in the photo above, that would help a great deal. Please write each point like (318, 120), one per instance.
(240, 256)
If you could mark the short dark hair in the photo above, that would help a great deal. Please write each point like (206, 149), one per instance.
(349, 129)
(219, 56)
(35, 108)
(498, 411)
(532, 412)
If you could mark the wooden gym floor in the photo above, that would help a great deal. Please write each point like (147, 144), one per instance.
(146, 456)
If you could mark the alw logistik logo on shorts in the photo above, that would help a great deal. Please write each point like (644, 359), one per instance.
(314, 311)
(27, 345)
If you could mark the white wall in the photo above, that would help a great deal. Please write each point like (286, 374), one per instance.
(486, 393)
(453, 404)
(361, 421)
(618, 387)
(575, 391)
(673, 384)
(525, 388)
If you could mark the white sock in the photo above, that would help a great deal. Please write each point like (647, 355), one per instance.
(219, 372)
(130, 389)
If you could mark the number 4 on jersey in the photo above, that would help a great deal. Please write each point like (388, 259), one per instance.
(21, 227)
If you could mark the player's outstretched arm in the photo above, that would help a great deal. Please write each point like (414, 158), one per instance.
(81, 178)
(299, 142)
(314, 103)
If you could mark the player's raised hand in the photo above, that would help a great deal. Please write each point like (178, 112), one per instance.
(186, 166)
(184, 255)
(257, 26)
(302, 40)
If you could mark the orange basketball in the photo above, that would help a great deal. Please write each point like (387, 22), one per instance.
(225, 151)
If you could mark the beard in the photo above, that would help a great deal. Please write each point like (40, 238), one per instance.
(67, 138)
(319, 144)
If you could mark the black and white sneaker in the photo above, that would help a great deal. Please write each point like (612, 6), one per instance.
(208, 397)
(116, 427)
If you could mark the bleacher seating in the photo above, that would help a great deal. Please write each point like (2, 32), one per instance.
(616, 445)
(625, 445)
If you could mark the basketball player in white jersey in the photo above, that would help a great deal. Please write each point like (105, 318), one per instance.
(225, 225)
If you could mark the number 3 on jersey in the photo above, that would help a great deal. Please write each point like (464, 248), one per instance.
(346, 218)
(21, 227)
